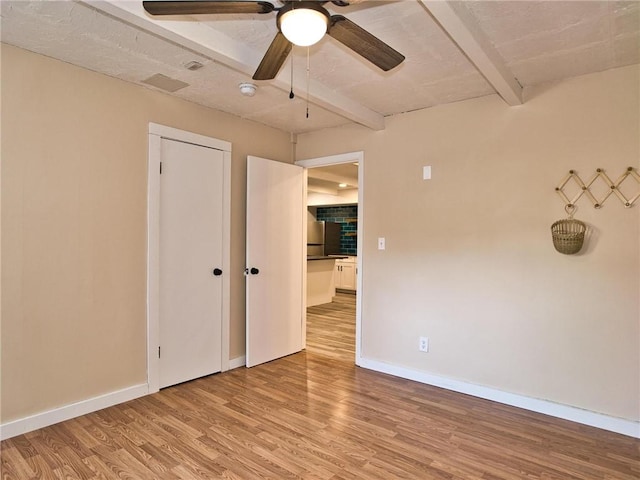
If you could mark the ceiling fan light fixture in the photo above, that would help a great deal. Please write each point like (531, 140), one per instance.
(304, 25)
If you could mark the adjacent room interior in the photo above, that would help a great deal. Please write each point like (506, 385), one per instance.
(332, 204)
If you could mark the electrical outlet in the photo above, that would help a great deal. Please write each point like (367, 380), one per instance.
(423, 346)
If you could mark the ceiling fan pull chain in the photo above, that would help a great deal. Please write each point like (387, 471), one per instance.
(291, 95)
(308, 82)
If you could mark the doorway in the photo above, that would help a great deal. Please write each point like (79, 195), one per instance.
(342, 303)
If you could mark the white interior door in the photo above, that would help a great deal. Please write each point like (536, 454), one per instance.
(191, 249)
(275, 219)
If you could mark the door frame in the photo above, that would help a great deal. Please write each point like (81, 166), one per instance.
(156, 134)
(349, 157)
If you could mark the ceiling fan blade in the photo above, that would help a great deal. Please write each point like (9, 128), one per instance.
(364, 43)
(162, 7)
(346, 3)
(274, 58)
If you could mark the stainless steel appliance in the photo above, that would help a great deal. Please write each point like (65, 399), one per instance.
(323, 238)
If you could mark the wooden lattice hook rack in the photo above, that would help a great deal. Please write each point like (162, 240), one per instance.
(585, 188)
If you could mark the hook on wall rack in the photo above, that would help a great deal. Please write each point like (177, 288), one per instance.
(585, 188)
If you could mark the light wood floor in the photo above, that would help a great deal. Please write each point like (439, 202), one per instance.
(314, 415)
(331, 329)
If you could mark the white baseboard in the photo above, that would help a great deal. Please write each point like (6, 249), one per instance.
(237, 362)
(44, 419)
(67, 412)
(566, 412)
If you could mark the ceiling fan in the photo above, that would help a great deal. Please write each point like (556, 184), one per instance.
(299, 22)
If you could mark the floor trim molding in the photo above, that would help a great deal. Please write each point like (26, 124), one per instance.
(566, 412)
(237, 362)
(67, 412)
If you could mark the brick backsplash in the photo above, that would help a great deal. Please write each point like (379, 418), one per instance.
(347, 216)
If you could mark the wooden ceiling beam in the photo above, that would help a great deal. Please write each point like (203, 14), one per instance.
(219, 47)
(462, 28)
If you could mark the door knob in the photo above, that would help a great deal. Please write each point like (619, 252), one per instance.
(254, 271)
(217, 272)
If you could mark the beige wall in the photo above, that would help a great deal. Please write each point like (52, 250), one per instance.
(74, 186)
(469, 260)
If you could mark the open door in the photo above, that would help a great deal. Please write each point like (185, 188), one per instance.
(275, 255)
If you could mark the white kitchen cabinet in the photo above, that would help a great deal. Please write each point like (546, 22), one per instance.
(345, 273)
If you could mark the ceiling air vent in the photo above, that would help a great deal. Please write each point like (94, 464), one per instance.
(193, 65)
(165, 83)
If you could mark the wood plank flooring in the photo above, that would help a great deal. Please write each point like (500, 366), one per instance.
(314, 415)
(331, 328)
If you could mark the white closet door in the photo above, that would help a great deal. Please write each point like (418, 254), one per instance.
(191, 254)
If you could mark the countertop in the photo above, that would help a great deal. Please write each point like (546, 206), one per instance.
(325, 257)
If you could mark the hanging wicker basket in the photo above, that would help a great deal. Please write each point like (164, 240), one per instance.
(568, 234)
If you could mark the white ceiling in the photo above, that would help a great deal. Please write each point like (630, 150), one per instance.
(474, 48)
(327, 179)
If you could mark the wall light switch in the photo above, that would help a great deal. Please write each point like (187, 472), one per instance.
(426, 172)
(381, 243)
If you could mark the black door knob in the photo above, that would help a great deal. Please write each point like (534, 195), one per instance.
(254, 271)
(217, 272)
